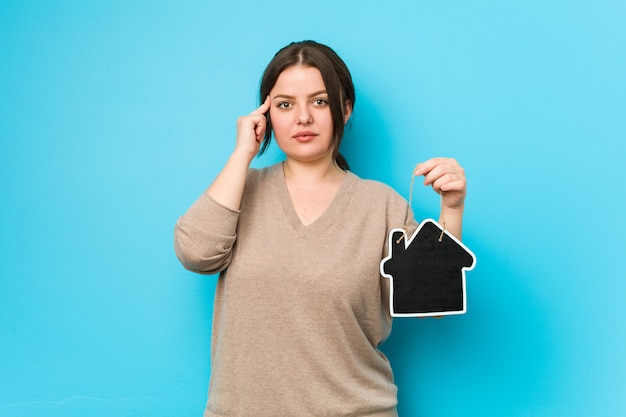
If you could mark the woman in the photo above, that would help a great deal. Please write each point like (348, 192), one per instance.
(300, 307)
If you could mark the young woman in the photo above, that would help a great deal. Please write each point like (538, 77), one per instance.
(300, 307)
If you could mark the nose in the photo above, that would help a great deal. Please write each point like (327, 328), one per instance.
(304, 116)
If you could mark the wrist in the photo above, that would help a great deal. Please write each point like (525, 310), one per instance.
(452, 220)
(243, 156)
(452, 214)
(453, 211)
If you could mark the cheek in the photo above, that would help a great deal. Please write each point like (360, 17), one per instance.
(279, 122)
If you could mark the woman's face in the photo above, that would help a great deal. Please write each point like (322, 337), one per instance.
(300, 114)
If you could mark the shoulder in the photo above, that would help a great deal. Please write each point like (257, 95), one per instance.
(378, 202)
(256, 174)
(376, 191)
(260, 177)
(262, 185)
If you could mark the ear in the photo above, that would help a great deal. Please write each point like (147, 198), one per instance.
(347, 111)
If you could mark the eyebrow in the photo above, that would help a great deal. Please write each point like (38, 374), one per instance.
(317, 93)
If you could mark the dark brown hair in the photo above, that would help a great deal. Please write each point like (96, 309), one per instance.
(337, 80)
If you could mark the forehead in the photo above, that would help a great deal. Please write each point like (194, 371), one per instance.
(299, 78)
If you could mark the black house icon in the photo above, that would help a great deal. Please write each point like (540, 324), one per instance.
(426, 273)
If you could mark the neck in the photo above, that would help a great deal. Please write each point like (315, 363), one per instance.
(315, 171)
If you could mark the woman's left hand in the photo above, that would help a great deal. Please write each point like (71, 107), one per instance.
(447, 178)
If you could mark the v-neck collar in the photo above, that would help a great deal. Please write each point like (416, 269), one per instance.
(327, 218)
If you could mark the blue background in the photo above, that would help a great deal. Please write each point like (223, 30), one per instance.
(115, 116)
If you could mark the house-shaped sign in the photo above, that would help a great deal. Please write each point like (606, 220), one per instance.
(426, 272)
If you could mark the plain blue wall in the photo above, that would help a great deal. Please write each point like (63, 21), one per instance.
(115, 115)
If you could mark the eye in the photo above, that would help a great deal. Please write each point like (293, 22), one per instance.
(284, 105)
(320, 102)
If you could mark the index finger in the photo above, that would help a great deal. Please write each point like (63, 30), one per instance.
(426, 166)
(263, 108)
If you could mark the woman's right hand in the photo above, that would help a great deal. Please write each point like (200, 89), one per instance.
(251, 130)
(227, 188)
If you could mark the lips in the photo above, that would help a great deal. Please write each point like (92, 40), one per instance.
(305, 136)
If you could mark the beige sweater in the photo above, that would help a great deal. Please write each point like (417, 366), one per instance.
(299, 311)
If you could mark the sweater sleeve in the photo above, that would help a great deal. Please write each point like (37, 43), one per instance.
(204, 236)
